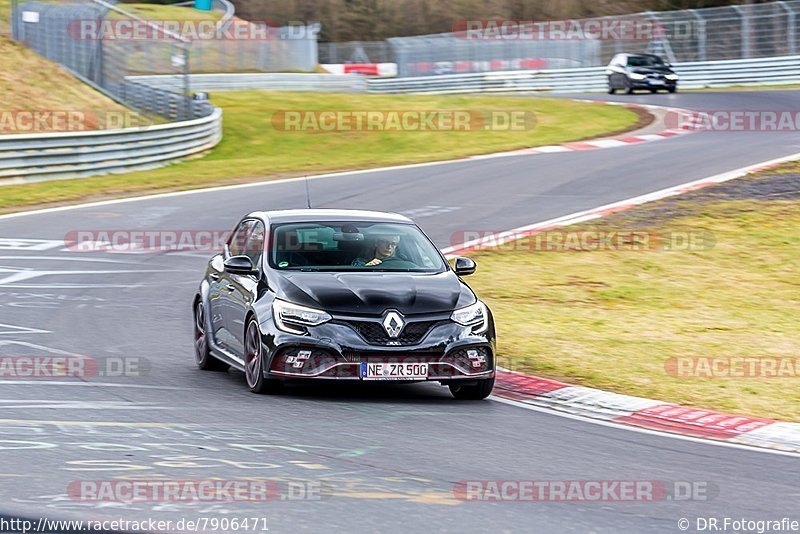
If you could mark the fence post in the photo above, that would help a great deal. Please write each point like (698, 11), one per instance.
(745, 31)
(790, 27)
(187, 90)
(701, 35)
(13, 19)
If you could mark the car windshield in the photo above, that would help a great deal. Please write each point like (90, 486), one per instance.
(352, 246)
(644, 61)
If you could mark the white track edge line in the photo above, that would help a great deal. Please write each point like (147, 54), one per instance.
(573, 218)
(630, 428)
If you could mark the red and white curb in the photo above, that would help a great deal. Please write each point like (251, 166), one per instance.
(628, 410)
(647, 413)
(686, 120)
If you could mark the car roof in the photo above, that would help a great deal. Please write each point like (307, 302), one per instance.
(331, 215)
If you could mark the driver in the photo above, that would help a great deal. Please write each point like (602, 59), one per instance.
(385, 247)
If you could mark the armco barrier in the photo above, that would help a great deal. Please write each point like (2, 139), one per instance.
(263, 81)
(694, 75)
(37, 157)
(762, 71)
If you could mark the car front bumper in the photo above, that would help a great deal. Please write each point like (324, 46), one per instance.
(336, 351)
(653, 84)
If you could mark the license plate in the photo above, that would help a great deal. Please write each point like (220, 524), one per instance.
(394, 371)
(657, 82)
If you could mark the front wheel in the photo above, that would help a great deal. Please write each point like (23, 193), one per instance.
(628, 87)
(612, 90)
(480, 390)
(672, 89)
(254, 362)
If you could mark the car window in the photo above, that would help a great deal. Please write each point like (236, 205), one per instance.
(239, 237)
(644, 61)
(255, 243)
(353, 246)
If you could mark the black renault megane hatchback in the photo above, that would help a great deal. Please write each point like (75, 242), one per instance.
(342, 295)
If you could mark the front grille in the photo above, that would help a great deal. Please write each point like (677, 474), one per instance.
(374, 334)
(395, 357)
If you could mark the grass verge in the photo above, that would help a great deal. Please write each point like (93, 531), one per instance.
(613, 319)
(252, 148)
(43, 86)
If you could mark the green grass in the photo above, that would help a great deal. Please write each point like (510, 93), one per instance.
(612, 319)
(44, 86)
(253, 149)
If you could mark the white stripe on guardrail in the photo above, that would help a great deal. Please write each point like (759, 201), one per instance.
(262, 81)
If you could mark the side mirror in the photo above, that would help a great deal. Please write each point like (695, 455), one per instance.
(239, 265)
(464, 266)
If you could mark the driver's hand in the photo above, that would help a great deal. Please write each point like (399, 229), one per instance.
(376, 261)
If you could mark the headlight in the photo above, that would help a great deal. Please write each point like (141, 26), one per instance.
(671, 76)
(637, 76)
(289, 316)
(475, 315)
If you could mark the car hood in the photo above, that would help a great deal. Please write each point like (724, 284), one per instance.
(651, 70)
(374, 293)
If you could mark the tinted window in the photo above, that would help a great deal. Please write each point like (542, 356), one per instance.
(353, 246)
(644, 61)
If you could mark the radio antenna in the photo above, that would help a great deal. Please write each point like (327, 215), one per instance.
(308, 195)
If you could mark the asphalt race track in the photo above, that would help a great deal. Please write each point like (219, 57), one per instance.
(385, 459)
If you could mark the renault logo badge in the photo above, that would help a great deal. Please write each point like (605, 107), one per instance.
(393, 324)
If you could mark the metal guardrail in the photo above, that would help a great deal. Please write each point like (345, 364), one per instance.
(264, 81)
(37, 157)
(693, 75)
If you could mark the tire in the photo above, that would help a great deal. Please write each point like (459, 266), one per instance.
(202, 352)
(612, 90)
(672, 89)
(628, 87)
(654, 91)
(478, 391)
(254, 362)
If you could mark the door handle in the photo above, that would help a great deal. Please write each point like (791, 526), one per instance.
(229, 289)
(214, 276)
